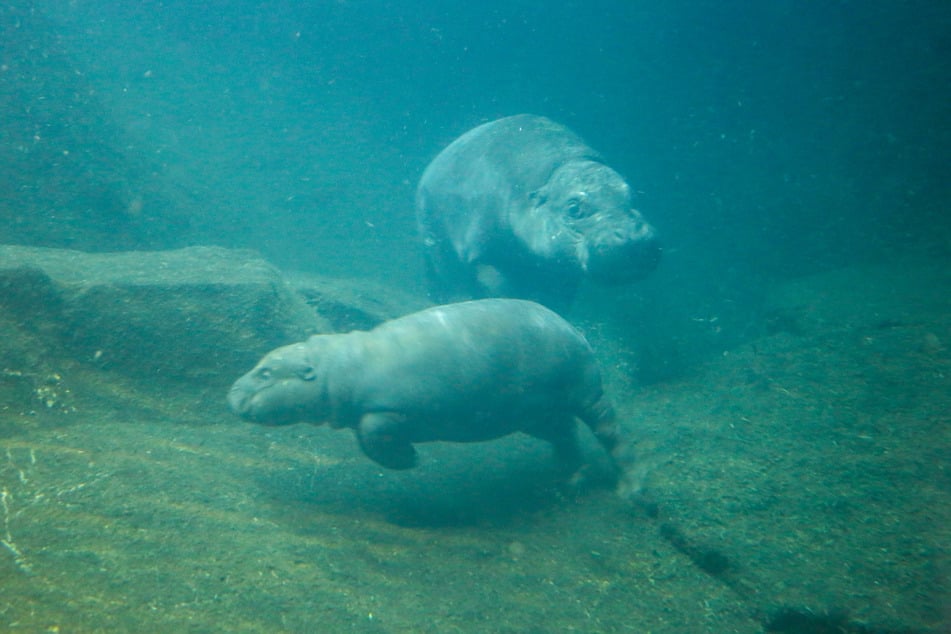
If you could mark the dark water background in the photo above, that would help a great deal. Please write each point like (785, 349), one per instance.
(767, 141)
(765, 138)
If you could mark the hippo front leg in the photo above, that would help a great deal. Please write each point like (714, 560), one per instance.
(382, 438)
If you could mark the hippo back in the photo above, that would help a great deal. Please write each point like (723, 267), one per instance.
(516, 153)
(476, 369)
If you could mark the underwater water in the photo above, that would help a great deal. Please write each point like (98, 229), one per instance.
(782, 377)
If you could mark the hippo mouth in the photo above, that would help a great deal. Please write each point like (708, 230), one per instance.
(624, 262)
(248, 405)
(239, 401)
(264, 407)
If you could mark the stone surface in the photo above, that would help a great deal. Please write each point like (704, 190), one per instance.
(195, 314)
(796, 483)
(352, 304)
(808, 469)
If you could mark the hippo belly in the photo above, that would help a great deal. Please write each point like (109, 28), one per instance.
(465, 372)
(523, 207)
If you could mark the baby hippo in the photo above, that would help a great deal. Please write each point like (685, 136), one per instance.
(463, 372)
(523, 207)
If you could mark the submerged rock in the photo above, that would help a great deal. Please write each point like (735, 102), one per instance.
(196, 313)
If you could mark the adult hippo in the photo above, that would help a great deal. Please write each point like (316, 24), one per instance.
(522, 207)
(463, 372)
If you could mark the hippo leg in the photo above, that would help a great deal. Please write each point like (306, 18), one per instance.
(448, 279)
(600, 418)
(382, 438)
(564, 441)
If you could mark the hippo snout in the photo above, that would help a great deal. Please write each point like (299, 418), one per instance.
(633, 232)
(238, 399)
(623, 253)
(242, 403)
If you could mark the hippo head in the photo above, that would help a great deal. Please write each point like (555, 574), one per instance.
(283, 388)
(583, 216)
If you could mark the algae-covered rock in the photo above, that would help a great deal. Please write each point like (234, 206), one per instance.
(807, 469)
(353, 304)
(196, 313)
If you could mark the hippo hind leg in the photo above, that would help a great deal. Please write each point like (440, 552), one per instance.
(383, 440)
(564, 440)
(600, 418)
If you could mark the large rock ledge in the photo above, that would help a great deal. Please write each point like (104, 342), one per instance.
(200, 315)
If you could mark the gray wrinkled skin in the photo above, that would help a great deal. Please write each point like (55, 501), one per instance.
(463, 372)
(522, 207)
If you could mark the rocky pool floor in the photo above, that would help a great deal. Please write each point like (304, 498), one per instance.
(799, 483)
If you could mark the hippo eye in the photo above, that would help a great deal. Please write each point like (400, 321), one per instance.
(264, 374)
(575, 209)
(307, 373)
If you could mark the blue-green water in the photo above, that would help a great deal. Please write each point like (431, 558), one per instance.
(784, 373)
